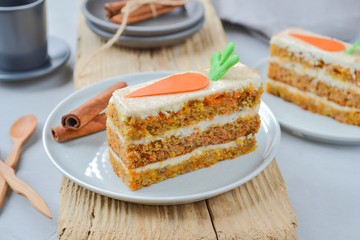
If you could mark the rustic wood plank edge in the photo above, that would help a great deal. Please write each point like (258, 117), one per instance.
(263, 200)
(222, 217)
(272, 218)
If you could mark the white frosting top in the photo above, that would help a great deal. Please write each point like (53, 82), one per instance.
(308, 51)
(237, 77)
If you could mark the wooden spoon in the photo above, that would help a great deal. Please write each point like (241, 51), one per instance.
(24, 189)
(20, 131)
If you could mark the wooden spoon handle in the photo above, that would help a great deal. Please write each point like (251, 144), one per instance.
(3, 189)
(24, 189)
(11, 161)
(14, 155)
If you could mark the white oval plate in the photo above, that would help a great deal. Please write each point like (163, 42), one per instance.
(85, 160)
(305, 123)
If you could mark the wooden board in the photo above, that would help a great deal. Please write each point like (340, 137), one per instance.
(259, 209)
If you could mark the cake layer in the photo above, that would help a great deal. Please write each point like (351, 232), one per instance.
(188, 130)
(199, 158)
(316, 82)
(314, 103)
(319, 73)
(141, 154)
(191, 113)
(341, 73)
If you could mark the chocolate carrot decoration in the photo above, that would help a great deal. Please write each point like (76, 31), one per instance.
(221, 62)
(178, 83)
(322, 43)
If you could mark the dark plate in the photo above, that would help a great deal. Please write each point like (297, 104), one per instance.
(149, 41)
(172, 22)
(58, 54)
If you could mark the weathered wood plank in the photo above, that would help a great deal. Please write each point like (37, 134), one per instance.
(259, 209)
(192, 54)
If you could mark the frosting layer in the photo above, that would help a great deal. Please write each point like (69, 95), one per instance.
(238, 77)
(308, 51)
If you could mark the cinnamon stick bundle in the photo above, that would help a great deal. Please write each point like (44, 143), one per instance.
(82, 115)
(113, 11)
(97, 124)
(85, 119)
(115, 7)
(143, 13)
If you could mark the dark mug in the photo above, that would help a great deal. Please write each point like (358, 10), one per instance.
(23, 37)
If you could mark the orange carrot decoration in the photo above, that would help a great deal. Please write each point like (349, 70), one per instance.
(322, 43)
(178, 83)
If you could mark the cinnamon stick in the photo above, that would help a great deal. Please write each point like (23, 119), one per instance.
(108, 14)
(97, 124)
(115, 7)
(82, 115)
(143, 13)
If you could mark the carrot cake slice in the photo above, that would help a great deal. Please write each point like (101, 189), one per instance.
(316, 73)
(155, 132)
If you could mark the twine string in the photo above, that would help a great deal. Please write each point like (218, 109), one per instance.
(129, 7)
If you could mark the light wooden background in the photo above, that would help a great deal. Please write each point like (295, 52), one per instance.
(259, 209)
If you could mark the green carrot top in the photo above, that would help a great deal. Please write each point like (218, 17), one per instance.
(352, 49)
(221, 62)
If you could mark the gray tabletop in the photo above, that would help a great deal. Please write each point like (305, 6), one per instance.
(323, 180)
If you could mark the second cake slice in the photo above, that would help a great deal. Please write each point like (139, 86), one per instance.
(314, 72)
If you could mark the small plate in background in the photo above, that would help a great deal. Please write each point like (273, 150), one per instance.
(148, 41)
(175, 21)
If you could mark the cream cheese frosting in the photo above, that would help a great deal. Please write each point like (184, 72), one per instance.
(308, 51)
(238, 77)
